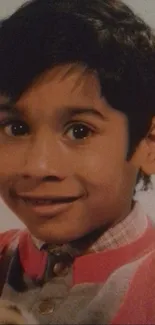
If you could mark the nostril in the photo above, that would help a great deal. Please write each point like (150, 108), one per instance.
(43, 178)
(51, 178)
(26, 176)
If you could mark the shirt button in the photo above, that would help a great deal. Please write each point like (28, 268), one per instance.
(58, 268)
(65, 271)
(46, 307)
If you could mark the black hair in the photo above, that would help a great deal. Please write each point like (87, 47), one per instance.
(104, 35)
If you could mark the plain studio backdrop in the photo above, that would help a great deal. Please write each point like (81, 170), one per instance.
(146, 8)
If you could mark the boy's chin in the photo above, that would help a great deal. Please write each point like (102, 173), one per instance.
(58, 237)
(52, 237)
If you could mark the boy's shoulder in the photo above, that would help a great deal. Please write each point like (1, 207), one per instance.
(139, 301)
(8, 243)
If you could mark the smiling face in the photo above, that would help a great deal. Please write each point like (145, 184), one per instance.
(63, 149)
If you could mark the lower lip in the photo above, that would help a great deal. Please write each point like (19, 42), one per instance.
(49, 210)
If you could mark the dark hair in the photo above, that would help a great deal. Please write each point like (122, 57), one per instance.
(104, 35)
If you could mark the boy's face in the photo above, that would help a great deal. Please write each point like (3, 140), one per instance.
(63, 167)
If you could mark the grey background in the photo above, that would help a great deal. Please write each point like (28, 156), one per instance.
(146, 8)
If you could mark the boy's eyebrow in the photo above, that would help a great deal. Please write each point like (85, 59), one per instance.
(71, 111)
(9, 108)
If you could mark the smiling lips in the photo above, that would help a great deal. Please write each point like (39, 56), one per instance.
(47, 200)
(48, 205)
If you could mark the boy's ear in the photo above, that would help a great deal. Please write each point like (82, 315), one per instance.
(144, 157)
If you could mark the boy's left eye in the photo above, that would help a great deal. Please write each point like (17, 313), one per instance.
(78, 131)
(15, 128)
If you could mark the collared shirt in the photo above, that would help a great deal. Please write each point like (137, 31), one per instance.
(123, 233)
(102, 279)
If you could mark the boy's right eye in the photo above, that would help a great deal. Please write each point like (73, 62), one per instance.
(15, 128)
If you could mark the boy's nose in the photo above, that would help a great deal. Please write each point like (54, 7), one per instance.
(47, 159)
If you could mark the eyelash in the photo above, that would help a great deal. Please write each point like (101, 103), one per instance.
(91, 129)
(7, 121)
(10, 121)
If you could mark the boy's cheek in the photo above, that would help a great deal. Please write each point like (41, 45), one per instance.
(100, 171)
(12, 158)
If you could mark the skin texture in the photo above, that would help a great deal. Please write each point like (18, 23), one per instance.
(48, 160)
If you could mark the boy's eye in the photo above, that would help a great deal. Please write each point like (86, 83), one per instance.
(78, 131)
(16, 128)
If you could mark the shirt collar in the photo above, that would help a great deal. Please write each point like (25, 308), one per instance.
(36, 261)
(123, 233)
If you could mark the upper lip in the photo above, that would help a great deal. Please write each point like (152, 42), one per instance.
(54, 199)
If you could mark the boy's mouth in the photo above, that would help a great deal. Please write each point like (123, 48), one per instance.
(47, 200)
(48, 206)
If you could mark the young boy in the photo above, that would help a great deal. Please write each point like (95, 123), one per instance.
(77, 131)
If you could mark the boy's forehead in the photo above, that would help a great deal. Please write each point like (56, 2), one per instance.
(60, 87)
(72, 80)
(73, 77)
(77, 79)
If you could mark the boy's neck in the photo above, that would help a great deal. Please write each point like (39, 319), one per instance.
(87, 243)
